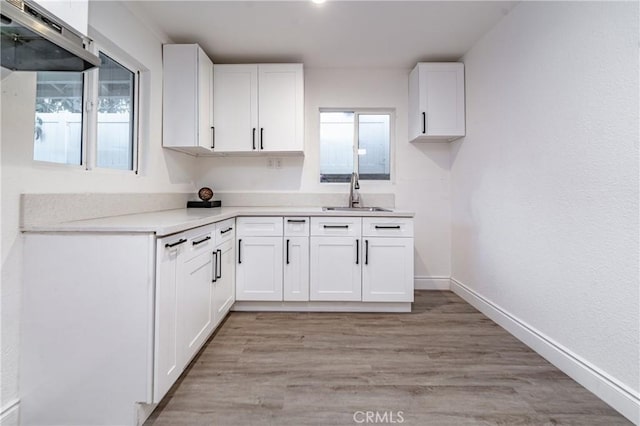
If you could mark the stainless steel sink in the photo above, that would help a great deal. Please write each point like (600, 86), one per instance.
(355, 209)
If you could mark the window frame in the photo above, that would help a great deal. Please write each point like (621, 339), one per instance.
(356, 143)
(92, 78)
(89, 119)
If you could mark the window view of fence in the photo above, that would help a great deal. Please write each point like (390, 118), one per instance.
(58, 132)
(60, 117)
(354, 141)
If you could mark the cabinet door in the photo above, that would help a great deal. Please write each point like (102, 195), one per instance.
(281, 107)
(259, 268)
(442, 99)
(224, 292)
(205, 101)
(195, 310)
(387, 270)
(167, 363)
(296, 269)
(335, 269)
(235, 108)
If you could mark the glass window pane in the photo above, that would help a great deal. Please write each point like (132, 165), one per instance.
(58, 130)
(336, 146)
(373, 146)
(115, 143)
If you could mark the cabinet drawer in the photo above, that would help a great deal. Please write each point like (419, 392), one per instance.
(387, 227)
(225, 231)
(259, 226)
(336, 226)
(199, 240)
(296, 226)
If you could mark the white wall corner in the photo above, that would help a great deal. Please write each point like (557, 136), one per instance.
(431, 283)
(619, 396)
(10, 413)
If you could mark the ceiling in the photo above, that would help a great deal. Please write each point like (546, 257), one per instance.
(363, 34)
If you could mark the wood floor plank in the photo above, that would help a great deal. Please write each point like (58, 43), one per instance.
(444, 363)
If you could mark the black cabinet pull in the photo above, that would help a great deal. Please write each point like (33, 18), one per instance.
(296, 220)
(357, 252)
(180, 241)
(195, 243)
(366, 252)
(336, 226)
(424, 122)
(226, 230)
(287, 252)
(253, 138)
(261, 138)
(215, 267)
(219, 261)
(387, 227)
(213, 137)
(240, 250)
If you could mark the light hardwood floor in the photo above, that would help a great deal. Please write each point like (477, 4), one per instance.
(445, 363)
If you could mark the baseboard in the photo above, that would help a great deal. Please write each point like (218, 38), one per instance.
(9, 414)
(616, 394)
(431, 283)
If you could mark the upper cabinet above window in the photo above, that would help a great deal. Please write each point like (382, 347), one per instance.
(72, 12)
(187, 110)
(258, 108)
(436, 102)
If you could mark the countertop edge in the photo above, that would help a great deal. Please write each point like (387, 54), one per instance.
(90, 226)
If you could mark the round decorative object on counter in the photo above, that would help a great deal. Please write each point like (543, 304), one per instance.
(205, 194)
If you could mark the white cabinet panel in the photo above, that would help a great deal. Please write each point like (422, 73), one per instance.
(335, 269)
(235, 107)
(259, 226)
(387, 270)
(167, 362)
(195, 313)
(187, 99)
(296, 226)
(281, 106)
(73, 12)
(296, 269)
(387, 227)
(224, 282)
(336, 226)
(259, 268)
(259, 108)
(436, 101)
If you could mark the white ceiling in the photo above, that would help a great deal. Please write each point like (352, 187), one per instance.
(382, 34)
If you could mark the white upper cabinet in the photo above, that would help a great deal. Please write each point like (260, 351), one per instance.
(187, 113)
(259, 108)
(73, 12)
(235, 106)
(436, 101)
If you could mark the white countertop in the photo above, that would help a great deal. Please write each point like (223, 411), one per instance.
(171, 221)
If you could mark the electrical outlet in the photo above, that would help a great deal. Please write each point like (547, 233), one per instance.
(269, 163)
(278, 163)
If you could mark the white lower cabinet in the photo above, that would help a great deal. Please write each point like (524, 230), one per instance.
(387, 271)
(224, 289)
(296, 269)
(195, 292)
(259, 268)
(335, 269)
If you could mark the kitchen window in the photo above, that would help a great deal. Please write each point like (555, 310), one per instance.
(89, 119)
(355, 141)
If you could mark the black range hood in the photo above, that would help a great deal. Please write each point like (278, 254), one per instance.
(35, 40)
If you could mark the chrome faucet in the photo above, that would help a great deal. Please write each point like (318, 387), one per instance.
(354, 195)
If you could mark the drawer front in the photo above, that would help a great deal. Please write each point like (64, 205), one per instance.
(387, 227)
(199, 240)
(336, 226)
(258, 226)
(296, 226)
(225, 231)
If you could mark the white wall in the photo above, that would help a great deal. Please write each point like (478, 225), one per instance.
(161, 170)
(545, 184)
(421, 182)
